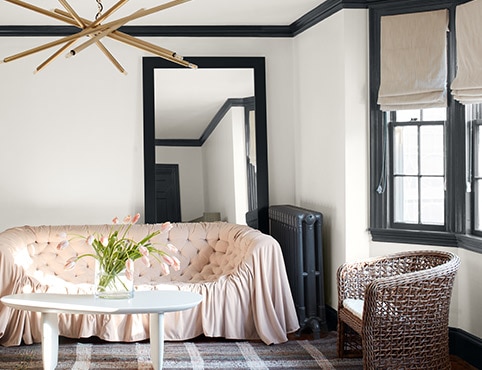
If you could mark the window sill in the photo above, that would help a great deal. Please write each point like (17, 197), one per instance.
(415, 237)
(469, 242)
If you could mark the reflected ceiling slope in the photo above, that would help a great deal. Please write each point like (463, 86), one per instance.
(186, 100)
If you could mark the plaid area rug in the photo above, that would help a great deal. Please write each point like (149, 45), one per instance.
(198, 355)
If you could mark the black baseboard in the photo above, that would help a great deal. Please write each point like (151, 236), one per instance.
(464, 345)
(331, 318)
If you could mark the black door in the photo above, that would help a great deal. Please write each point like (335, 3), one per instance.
(168, 198)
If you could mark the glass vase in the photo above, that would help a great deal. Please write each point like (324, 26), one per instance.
(113, 283)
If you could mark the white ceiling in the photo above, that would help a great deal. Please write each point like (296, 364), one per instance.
(193, 12)
(186, 100)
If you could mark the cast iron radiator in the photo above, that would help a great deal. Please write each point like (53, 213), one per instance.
(299, 233)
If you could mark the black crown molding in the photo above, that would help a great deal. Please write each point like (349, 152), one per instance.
(321, 12)
(313, 17)
(228, 104)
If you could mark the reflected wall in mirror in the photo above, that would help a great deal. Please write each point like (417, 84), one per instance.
(205, 149)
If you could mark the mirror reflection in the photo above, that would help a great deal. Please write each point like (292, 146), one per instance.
(209, 152)
(204, 120)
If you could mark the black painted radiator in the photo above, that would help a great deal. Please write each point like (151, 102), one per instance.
(299, 232)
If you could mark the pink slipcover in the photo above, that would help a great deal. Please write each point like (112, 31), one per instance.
(239, 272)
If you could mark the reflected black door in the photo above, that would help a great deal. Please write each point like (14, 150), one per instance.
(168, 198)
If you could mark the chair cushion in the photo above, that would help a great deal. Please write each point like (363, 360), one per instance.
(355, 306)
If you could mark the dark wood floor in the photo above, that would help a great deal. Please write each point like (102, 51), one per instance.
(456, 362)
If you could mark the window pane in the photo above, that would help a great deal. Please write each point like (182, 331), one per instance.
(431, 150)
(432, 200)
(478, 159)
(408, 115)
(405, 199)
(405, 150)
(478, 205)
(434, 114)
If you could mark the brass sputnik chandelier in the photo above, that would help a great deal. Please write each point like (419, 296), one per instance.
(96, 31)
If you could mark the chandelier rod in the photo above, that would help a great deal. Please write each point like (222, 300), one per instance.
(141, 44)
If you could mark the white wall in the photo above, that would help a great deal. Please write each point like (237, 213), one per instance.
(71, 147)
(191, 179)
(332, 155)
(224, 159)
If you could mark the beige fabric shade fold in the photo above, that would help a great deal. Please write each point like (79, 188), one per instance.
(413, 67)
(467, 85)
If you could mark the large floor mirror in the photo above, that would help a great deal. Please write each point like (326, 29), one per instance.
(205, 142)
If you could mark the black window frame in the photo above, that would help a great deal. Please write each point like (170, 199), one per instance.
(474, 126)
(459, 211)
(391, 173)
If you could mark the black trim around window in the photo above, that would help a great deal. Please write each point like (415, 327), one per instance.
(457, 229)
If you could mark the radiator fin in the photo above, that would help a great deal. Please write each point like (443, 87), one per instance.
(299, 233)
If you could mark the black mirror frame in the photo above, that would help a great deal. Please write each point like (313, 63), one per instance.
(149, 64)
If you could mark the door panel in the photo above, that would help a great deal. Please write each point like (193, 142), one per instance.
(168, 198)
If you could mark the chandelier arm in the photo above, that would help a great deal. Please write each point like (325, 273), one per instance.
(113, 60)
(143, 12)
(132, 41)
(141, 42)
(151, 48)
(113, 27)
(87, 31)
(40, 10)
(53, 56)
(72, 13)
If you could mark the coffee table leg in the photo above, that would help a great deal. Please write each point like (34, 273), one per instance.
(50, 340)
(156, 333)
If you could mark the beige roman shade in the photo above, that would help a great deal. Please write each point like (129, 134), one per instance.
(413, 61)
(467, 85)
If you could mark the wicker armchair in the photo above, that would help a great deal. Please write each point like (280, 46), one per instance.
(394, 310)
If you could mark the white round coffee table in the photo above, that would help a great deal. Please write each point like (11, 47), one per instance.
(155, 303)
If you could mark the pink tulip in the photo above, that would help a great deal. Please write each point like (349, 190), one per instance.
(115, 220)
(130, 264)
(127, 219)
(129, 275)
(62, 245)
(145, 260)
(166, 226)
(143, 250)
(177, 264)
(70, 264)
(168, 259)
(165, 269)
(130, 269)
(136, 218)
(104, 240)
(172, 248)
(90, 239)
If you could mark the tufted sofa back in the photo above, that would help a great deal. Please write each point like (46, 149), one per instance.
(207, 250)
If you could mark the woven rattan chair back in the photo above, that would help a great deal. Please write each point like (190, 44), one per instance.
(405, 299)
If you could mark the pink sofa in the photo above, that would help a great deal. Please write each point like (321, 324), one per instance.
(239, 272)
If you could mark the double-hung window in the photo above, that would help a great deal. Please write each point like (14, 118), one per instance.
(417, 168)
(418, 154)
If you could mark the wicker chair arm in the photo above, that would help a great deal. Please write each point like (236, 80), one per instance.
(354, 277)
